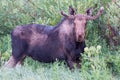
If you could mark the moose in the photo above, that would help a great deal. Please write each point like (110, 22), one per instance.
(65, 41)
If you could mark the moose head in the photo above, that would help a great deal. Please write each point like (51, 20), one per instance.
(80, 21)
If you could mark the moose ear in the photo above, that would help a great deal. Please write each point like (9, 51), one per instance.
(89, 11)
(72, 11)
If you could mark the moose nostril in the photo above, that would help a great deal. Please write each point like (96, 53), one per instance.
(80, 38)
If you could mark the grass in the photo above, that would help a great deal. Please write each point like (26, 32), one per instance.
(54, 71)
(97, 63)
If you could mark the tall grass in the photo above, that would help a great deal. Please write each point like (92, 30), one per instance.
(98, 61)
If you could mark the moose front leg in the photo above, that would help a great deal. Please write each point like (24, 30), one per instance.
(78, 62)
(70, 63)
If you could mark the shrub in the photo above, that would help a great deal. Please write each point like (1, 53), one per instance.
(111, 29)
(5, 49)
(113, 62)
(92, 58)
(93, 63)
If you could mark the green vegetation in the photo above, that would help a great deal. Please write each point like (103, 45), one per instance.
(101, 60)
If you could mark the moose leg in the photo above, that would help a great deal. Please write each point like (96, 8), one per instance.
(70, 63)
(11, 62)
(18, 49)
(20, 62)
(78, 63)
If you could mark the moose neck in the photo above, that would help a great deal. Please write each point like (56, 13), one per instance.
(66, 26)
